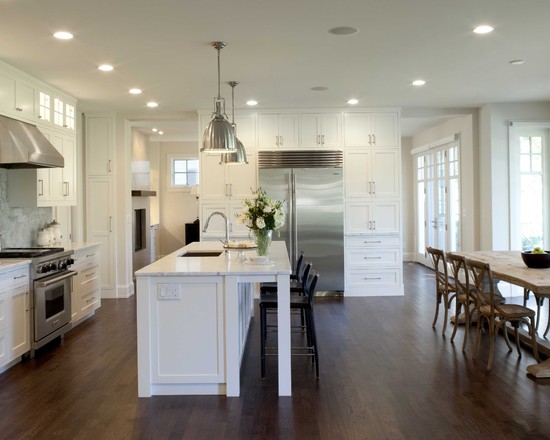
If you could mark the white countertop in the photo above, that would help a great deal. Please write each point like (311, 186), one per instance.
(13, 263)
(78, 246)
(228, 263)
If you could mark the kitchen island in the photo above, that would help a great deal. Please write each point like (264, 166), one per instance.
(193, 313)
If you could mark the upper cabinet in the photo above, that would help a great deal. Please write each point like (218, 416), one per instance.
(278, 130)
(323, 130)
(375, 129)
(16, 96)
(99, 145)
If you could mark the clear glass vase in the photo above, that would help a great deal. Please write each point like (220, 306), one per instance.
(263, 240)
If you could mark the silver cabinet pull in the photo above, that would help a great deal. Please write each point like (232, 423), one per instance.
(41, 192)
(373, 187)
(323, 139)
(110, 224)
(280, 141)
(19, 109)
(372, 278)
(372, 258)
(109, 166)
(374, 139)
(66, 189)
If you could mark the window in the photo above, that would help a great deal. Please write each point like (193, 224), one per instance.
(45, 107)
(529, 198)
(184, 171)
(58, 112)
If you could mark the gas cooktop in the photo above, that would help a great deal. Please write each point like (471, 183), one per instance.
(28, 252)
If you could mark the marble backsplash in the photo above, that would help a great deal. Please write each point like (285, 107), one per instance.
(19, 225)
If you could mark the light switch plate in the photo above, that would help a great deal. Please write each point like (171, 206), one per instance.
(168, 291)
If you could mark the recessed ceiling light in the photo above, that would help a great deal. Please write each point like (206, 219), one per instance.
(483, 29)
(105, 67)
(517, 62)
(63, 35)
(319, 89)
(155, 130)
(353, 101)
(418, 82)
(161, 132)
(135, 91)
(252, 102)
(152, 104)
(343, 30)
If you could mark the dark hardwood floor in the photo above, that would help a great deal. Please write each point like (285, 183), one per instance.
(385, 374)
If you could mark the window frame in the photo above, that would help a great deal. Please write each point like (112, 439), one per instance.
(171, 159)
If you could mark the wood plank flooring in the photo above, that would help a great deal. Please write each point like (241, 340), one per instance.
(385, 374)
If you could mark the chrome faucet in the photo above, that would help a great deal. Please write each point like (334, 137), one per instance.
(226, 224)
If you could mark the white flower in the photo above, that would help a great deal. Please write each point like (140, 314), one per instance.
(260, 222)
(267, 209)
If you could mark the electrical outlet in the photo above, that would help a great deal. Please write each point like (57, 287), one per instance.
(169, 291)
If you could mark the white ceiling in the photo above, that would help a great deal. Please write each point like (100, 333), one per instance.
(279, 50)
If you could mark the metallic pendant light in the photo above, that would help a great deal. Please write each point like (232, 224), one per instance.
(219, 136)
(239, 156)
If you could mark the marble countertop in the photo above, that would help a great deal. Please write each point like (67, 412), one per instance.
(232, 262)
(13, 263)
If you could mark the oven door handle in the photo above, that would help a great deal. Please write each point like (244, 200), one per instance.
(49, 282)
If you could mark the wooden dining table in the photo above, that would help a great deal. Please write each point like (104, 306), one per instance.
(508, 266)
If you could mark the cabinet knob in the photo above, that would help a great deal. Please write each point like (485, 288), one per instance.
(19, 109)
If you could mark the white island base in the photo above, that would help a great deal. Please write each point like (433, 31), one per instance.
(193, 316)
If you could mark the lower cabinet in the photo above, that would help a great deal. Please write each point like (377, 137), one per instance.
(15, 324)
(86, 294)
(216, 226)
(373, 265)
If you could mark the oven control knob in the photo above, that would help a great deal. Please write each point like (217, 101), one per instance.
(53, 266)
(42, 269)
(62, 265)
(70, 261)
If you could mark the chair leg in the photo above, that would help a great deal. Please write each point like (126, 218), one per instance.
(491, 344)
(506, 339)
(516, 334)
(437, 301)
(314, 341)
(445, 313)
(457, 311)
(478, 334)
(466, 325)
(548, 323)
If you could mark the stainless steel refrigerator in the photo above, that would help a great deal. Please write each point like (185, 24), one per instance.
(311, 185)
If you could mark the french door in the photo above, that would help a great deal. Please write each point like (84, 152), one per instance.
(437, 200)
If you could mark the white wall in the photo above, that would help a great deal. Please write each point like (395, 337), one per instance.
(493, 167)
(407, 199)
(176, 207)
(467, 127)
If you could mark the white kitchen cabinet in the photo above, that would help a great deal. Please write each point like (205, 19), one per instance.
(16, 96)
(100, 143)
(86, 293)
(373, 265)
(220, 181)
(100, 210)
(43, 106)
(216, 227)
(372, 217)
(376, 129)
(41, 187)
(372, 172)
(321, 130)
(278, 130)
(15, 339)
(247, 128)
(63, 113)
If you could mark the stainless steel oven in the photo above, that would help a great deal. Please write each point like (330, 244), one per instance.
(52, 306)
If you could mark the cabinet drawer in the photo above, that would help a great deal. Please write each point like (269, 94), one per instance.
(88, 278)
(90, 301)
(370, 241)
(369, 257)
(18, 277)
(378, 277)
(86, 259)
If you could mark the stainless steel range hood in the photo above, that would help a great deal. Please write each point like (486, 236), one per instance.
(22, 145)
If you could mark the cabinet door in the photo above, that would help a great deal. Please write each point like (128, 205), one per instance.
(20, 324)
(56, 174)
(268, 130)
(24, 99)
(310, 135)
(212, 179)
(357, 219)
(43, 106)
(7, 94)
(385, 217)
(242, 179)
(69, 171)
(357, 169)
(289, 130)
(99, 145)
(237, 230)
(100, 208)
(357, 127)
(331, 130)
(247, 130)
(385, 172)
(385, 129)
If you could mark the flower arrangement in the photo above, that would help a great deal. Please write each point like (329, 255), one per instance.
(261, 212)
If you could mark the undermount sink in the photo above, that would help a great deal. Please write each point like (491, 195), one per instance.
(201, 254)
